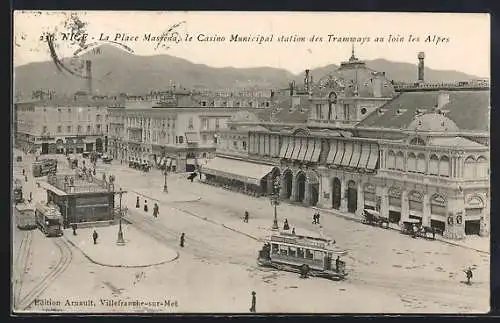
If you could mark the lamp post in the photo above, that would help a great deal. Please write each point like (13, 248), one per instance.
(165, 172)
(275, 200)
(120, 241)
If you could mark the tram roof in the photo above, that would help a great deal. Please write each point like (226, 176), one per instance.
(24, 207)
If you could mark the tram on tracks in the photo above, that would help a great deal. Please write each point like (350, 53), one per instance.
(25, 216)
(18, 191)
(306, 253)
(44, 167)
(49, 219)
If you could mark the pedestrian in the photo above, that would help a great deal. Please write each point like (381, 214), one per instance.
(245, 219)
(468, 275)
(31, 197)
(337, 263)
(182, 240)
(24, 172)
(95, 236)
(156, 210)
(317, 218)
(137, 203)
(285, 225)
(293, 231)
(145, 205)
(25, 178)
(314, 218)
(73, 226)
(254, 301)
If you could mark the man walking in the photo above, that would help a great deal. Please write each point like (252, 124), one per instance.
(95, 236)
(137, 203)
(245, 218)
(254, 301)
(73, 226)
(156, 210)
(182, 240)
(145, 205)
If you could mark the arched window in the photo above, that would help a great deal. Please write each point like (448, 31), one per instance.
(412, 163)
(438, 204)
(417, 141)
(421, 164)
(469, 167)
(433, 165)
(400, 161)
(391, 160)
(444, 166)
(482, 167)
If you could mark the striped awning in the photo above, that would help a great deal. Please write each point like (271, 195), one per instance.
(243, 171)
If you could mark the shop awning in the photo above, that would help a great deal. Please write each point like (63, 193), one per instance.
(310, 150)
(365, 154)
(347, 154)
(372, 160)
(332, 152)
(291, 147)
(340, 152)
(239, 170)
(284, 147)
(192, 137)
(305, 147)
(316, 152)
(296, 148)
(356, 154)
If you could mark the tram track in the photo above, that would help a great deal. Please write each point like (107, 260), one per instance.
(21, 265)
(66, 255)
(197, 247)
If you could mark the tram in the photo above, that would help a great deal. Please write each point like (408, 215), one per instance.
(49, 219)
(44, 167)
(296, 253)
(25, 216)
(18, 191)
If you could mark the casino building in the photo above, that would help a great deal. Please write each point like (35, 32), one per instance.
(353, 143)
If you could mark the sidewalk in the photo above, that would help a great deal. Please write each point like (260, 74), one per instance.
(139, 249)
(481, 244)
(173, 196)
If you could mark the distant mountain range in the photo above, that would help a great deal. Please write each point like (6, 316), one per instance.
(116, 71)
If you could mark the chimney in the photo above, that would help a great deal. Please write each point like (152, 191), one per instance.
(88, 68)
(421, 57)
(443, 99)
(306, 81)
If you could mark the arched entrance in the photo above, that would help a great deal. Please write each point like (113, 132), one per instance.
(59, 146)
(270, 180)
(352, 197)
(336, 193)
(439, 210)
(474, 217)
(98, 145)
(313, 192)
(416, 206)
(288, 181)
(301, 187)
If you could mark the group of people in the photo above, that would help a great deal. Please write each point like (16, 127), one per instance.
(316, 216)
(156, 207)
(156, 212)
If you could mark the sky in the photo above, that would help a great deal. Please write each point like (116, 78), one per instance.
(455, 41)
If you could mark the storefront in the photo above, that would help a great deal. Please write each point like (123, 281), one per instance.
(394, 204)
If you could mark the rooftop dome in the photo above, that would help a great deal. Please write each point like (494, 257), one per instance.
(355, 78)
(433, 122)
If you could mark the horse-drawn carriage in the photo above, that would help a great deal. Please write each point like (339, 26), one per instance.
(106, 159)
(373, 217)
(415, 228)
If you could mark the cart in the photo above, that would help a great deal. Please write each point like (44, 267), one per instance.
(411, 227)
(373, 217)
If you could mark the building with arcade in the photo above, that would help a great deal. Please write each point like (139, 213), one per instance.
(353, 143)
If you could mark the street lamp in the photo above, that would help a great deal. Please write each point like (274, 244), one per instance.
(120, 241)
(275, 200)
(165, 172)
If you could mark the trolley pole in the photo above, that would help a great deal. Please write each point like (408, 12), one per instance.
(275, 200)
(120, 241)
(165, 187)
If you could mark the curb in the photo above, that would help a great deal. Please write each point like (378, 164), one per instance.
(350, 218)
(155, 199)
(120, 266)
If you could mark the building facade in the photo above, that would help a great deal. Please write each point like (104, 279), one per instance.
(59, 126)
(417, 154)
(182, 136)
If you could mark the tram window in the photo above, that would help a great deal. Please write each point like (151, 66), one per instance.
(318, 255)
(283, 250)
(292, 252)
(300, 252)
(309, 254)
(274, 248)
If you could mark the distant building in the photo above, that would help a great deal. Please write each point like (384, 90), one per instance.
(352, 143)
(179, 132)
(62, 125)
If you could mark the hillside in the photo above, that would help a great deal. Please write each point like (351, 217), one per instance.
(116, 71)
